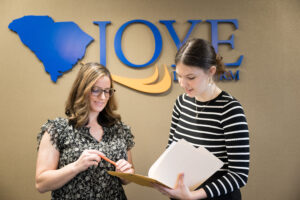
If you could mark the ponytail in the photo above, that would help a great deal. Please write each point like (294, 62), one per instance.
(220, 65)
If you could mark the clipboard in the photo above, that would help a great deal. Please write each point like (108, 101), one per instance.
(197, 164)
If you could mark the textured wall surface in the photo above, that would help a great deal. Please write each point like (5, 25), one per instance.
(268, 89)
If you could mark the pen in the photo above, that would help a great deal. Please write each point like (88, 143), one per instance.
(108, 160)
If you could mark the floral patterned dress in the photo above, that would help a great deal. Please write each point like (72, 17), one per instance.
(95, 182)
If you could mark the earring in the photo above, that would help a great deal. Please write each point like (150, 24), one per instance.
(210, 82)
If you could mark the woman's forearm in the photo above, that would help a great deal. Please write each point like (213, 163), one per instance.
(198, 194)
(50, 180)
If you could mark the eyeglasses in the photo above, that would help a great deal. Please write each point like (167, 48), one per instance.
(96, 91)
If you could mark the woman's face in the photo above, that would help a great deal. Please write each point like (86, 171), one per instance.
(98, 96)
(193, 80)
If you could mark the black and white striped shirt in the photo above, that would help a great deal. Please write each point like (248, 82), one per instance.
(221, 127)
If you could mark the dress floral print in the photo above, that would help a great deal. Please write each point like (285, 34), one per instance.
(95, 182)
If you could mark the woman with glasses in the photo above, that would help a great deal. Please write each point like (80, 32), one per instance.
(207, 116)
(70, 150)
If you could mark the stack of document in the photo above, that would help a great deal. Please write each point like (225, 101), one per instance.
(197, 164)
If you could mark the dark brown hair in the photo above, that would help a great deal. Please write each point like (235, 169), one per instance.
(78, 105)
(200, 53)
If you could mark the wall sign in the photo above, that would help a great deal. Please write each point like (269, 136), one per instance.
(60, 45)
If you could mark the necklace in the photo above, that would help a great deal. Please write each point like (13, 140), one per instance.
(202, 109)
(204, 106)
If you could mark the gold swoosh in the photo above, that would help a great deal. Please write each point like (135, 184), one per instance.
(145, 84)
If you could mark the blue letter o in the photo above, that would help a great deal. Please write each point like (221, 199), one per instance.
(118, 40)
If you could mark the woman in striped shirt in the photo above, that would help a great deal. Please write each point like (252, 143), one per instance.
(207, 116)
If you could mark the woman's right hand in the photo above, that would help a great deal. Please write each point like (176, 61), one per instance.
(48, 176)
(87, 159)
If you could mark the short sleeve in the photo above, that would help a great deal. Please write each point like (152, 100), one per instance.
(56, 129)
(128, 136)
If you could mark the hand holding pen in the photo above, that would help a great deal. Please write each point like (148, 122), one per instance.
(93, 157)
(87, 159)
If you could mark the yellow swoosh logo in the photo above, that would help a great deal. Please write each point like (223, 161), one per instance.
(147, 84)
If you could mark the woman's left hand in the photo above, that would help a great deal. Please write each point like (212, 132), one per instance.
(181, 191)
(125, 167)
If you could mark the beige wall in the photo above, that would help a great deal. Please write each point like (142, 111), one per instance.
(268, 36)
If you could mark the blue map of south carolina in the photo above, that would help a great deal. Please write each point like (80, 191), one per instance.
(59, 45)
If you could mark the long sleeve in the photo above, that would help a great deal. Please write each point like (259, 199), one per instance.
(175, 119)
(238, 151)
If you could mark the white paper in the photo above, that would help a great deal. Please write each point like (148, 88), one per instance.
(197, 164)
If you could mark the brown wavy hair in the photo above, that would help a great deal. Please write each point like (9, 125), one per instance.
(78, 105)
(200, 53)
